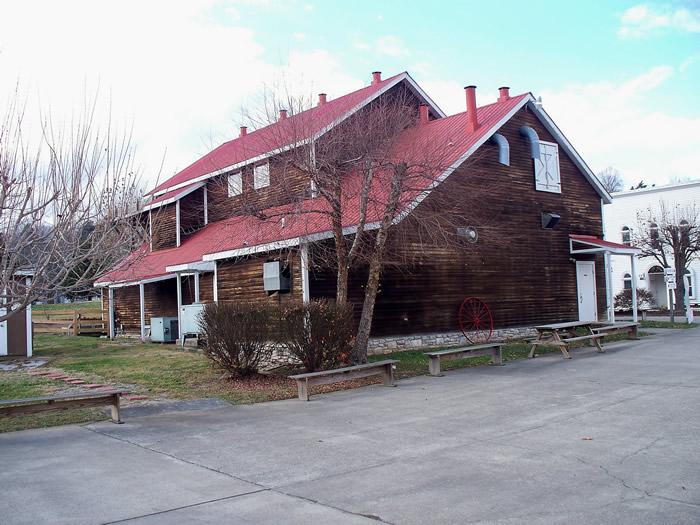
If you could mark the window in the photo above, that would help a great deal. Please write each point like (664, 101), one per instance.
(261, 176)
(627, 281)
(235, 184)
(547, 176)
(654, 235)
(626, 235)
(690, 283)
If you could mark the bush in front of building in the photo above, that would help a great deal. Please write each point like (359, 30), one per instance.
(238, 336)
(320, 334)
(623, 300)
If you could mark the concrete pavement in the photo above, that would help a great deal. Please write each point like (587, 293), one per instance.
(607, 438)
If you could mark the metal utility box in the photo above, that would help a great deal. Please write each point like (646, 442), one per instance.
(189, 317)
(275, 278)
(164, 329)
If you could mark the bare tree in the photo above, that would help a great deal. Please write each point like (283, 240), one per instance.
(66, 203)
(611, 179)
(363, 177)
(670, 233)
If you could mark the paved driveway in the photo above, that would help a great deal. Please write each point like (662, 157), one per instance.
(611, 438)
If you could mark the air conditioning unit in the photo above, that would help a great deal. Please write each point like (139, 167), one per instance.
(189, 317)
(164, 329)
(274, 277)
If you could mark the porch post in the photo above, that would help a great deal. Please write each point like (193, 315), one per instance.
(608, 288)
(177, 222)
(216, 282)
(305, 291)
(206, 205)
(633, 263)
(110, 311)
(142, 310)
(179, 304)
(196, 287)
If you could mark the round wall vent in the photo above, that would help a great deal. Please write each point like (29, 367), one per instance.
(469, 233)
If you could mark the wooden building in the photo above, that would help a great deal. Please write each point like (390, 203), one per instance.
(531, 203)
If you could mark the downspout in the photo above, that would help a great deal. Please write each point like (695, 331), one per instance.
(503, 148)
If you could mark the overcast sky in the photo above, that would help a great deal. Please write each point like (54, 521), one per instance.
(620, 78)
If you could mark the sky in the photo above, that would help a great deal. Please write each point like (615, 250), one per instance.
(620, 78)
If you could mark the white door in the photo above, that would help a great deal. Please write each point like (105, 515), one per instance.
(585, 284)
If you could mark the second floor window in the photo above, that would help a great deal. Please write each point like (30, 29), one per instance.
(547, 177)
(626, 236)
(261, 176)
(235, 184)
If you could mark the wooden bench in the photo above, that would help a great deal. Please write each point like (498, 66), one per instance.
(464, 352)
(384, 368)
(33, 405)
(630, 328)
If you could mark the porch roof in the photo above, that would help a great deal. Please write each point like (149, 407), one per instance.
(593, 244)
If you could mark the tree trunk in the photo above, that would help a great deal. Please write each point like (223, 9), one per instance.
(341, 285)
(362, 339)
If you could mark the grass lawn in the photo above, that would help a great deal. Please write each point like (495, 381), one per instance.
(84, 307)
(166, 371)
(665, 324)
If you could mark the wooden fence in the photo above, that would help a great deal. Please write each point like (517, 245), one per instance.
(67, 322)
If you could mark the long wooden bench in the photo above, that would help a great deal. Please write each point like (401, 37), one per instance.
(630, 328)
(33, 405)
(464, 352)
(384, 368)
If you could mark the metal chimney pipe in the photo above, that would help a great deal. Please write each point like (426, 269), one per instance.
(473, 123)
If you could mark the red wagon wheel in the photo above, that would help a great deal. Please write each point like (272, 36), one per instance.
(475, 320)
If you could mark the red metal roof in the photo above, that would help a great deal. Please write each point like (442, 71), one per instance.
(592, 239)
(308, 218)
(272, 137)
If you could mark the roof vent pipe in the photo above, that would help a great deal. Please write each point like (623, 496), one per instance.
(376, 77)
(503, 93)
(503, 148)
(321, 99)
(244, 131)
(283, 114)
(531, 135)
(423, 114)
(473, 123)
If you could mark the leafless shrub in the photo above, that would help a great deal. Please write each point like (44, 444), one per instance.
(238, 336)
(320, 334)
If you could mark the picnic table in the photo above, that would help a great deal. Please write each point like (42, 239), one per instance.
(551, 334)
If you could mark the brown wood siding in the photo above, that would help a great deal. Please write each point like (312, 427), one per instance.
(523, 272)
(127, 308)
(243, 280)
(160, 299)
(164, 231)
(16, 330)
(286, 185)
(191, 213)
(206, 287)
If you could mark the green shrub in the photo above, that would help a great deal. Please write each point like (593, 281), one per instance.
(319, 333)
(238, 336)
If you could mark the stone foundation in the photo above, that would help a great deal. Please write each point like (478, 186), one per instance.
(386, 345)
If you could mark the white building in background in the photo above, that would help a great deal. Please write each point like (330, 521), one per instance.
(620, 221)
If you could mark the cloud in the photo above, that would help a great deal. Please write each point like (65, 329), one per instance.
(619, 125)
(391, 45)
(171, 68)
(645, 19)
